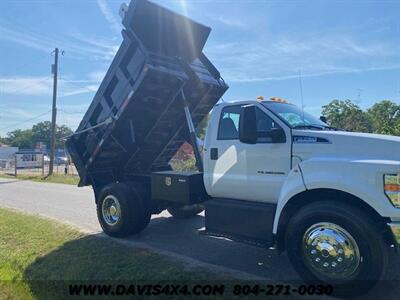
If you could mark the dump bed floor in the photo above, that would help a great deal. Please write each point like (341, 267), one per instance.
(136, 121)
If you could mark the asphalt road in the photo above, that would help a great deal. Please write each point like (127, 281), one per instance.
(76, 206)
(165, 234)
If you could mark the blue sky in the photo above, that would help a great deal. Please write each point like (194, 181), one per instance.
(344, 49)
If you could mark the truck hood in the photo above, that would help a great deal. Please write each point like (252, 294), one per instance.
(310, 143)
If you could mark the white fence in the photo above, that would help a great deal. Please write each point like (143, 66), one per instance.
(7, 166)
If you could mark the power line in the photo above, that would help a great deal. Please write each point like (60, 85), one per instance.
(301, 94)
(28, 84)
(71, 112)
(37, 117)
(22, 65)
(27, 120)
(17, 68)
(61, 89)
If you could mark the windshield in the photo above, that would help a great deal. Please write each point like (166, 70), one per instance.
(293, 116)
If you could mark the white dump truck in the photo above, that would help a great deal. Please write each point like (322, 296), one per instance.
(270, 174)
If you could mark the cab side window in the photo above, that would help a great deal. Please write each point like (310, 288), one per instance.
(264, 126)
(229, 123)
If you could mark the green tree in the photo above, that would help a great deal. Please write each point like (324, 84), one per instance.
(20, 138)
(202, 127)
(347, 115)
(41, 132)
(62, 132)
(385, 117)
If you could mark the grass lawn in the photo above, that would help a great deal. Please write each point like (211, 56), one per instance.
(55, 178)
(37, 253)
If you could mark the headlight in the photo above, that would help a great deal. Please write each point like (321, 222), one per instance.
(392, 188)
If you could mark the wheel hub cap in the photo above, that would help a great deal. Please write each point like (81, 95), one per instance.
(330, 251)
(111, 210)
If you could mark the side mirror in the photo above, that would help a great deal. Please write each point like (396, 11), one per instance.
(278, 135)
(323, 119)
(248, 125)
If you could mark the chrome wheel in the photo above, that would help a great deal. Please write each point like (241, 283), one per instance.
(111, 210)
(330, 251)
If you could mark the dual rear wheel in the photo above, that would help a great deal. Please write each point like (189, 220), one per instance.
(123, 209)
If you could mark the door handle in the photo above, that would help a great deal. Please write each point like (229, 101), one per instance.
(214, 153)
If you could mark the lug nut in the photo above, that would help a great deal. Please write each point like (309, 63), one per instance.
(339, 259)
(340, 251)
(317, 259)
(325, 264)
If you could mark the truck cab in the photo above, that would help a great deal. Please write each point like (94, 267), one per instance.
(278, 176)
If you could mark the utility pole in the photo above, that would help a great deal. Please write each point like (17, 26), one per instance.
(54, 114)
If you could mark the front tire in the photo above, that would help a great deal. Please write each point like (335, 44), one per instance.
(334, 243)
(120, 210)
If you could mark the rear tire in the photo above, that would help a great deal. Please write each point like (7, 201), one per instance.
(120, 210)
(334, 243)
(185, 211)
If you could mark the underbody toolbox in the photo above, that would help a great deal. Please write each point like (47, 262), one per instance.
(178, 187)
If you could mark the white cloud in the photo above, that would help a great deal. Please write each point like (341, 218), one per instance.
(18, 113)
(71, 120)
(43, 86)
(77, 91)
(97, 76)
(76, 108)
(26, 85)
(232, 22)
(77, 46)
(24, 39)
(241, 78)
(282, 57)
(108, 15)
(99, 47)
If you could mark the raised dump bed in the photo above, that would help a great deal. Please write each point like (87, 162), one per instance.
(136, 121)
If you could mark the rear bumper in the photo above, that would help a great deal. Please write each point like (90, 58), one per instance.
(395, 228)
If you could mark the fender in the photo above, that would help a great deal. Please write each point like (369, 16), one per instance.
(360, 178)
(293, 185)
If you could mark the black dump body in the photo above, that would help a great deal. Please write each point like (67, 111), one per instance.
(136, 121)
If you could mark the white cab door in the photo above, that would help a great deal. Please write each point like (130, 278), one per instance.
(268, 163)
(225, 161)
(236, 170)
